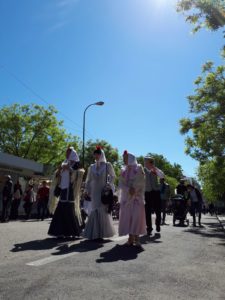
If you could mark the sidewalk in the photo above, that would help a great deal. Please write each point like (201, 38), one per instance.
(221, 219)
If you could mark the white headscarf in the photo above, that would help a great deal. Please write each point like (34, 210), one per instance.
(102, 157)
(132, 161)
(73, 155)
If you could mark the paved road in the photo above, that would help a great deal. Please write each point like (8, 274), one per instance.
(184, 263)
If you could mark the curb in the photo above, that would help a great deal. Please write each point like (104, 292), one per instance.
(222, 221)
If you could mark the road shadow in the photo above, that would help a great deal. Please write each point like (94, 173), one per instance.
(83, 246)
(146, 239)
(216, 226)
(185, 225)
(214, 231)
(45, 244)
(119, 252)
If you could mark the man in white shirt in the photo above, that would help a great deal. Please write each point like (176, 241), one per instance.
(152, 194)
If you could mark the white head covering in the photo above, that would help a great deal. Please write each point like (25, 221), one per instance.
(73, 155)
(102, 157)
(132, 161)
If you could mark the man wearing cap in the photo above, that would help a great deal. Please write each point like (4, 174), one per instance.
(152, 194)
(6, 198)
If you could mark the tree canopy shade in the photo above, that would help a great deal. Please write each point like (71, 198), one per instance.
(203, 13)
(207, 127)
(33, 132)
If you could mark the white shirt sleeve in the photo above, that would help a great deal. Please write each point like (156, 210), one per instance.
(160, 173)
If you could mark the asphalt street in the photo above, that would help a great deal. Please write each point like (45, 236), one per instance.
(182, 263)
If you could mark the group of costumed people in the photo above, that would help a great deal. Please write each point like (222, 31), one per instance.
(67, 219)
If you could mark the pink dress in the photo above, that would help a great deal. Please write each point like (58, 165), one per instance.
(132, 209)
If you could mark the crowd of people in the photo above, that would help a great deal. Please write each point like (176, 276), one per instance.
(13, 195)
(142, 191)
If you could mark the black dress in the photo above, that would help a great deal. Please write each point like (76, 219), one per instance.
(64, 222)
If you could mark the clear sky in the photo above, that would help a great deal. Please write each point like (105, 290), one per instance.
(138, 56)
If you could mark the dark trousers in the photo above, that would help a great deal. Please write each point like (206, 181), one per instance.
(14, 209)
(152, 205)
(42, 209)
(27, 208)
(163, 209)
(195, 209)
(5, 210)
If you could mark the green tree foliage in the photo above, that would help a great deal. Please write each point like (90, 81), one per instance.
(170, 170)
(206, 128)
(207, 105)
(34, 132)
(203, 13)
(173, 182)
(212, 174)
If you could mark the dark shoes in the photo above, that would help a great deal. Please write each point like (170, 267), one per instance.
(149, 231)
(158, 228)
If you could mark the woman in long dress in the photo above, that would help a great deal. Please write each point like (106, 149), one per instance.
(99, 224)
(67, 221)
(131, 197)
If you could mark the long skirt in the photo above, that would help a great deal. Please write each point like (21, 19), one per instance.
(64, 221)
(132, 218)
(99, 224)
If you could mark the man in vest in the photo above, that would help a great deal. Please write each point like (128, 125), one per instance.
(152, 194)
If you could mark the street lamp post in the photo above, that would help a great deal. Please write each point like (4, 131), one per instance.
(100, 103)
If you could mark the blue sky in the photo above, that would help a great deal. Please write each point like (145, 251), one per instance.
(138, 56)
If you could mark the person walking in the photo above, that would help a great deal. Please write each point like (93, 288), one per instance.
(17, 196)
(195, 197)
(28, 200)
(152, 194)
(99, 224)
(181, 189)
(6, 198)
(131, 199)
(42, 200)
(165, 198)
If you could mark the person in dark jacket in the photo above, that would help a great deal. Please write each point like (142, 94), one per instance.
(181, 188)
(42, 200)
(17, 196)
(165, 197)
(6, 198)
(195, 197)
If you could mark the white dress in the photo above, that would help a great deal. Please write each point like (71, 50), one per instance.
(100, 223)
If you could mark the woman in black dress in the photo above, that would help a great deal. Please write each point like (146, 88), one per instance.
(67, 221)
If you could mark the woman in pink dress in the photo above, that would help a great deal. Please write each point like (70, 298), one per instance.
(131, 196)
